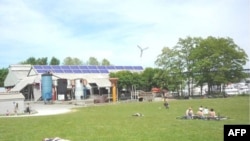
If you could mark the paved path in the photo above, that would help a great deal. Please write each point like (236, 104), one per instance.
(41, 109)
(50, 109)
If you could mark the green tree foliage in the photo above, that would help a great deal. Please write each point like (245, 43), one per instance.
(184, 49)
(92, 61)
(54, 61)
(3, 74)
(125, 79)
(105, 62)
(141, 81)
(173, 70)
(214, 61)
(137, 81)
(72, 61)
(149, 78)
(218, 61)
(34, 61)
(66, 61)
(42, 61)
(31, 61)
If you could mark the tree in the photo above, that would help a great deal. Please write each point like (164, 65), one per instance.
(72, 61)
(34, 61)
(173, 70)
(105, 62)
(92, 61)
(141, 81)
(218, 61)
(3, 74)
(214, 61)
(42, 61)
(149, 79)
(184, 48)
(54, 61)
(31, 60)
(125, 79)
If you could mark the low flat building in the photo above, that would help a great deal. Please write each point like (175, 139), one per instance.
(27, 79)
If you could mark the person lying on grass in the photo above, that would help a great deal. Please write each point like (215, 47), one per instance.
(55, 139)
(138, 114)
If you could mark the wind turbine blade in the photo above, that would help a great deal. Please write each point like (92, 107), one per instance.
(145, 48)
(139, 47)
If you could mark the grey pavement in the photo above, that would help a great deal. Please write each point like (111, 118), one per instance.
(57, 107)
(41, 109)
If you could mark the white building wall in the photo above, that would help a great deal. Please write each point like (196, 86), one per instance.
(9, 105)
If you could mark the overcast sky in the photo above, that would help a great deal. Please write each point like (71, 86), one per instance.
(112, 29)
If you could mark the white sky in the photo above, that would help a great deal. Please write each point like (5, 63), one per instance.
(112, 29)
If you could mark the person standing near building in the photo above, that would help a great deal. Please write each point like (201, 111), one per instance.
(28, 108)
(15, 108)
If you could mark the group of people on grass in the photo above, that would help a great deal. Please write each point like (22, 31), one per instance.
(202, 113)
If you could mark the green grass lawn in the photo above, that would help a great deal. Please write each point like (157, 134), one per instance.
(113, 122)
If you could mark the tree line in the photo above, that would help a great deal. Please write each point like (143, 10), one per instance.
(193, 61)
(66, 61)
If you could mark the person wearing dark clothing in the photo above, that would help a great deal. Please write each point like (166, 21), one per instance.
(28, 108)
(166, 105)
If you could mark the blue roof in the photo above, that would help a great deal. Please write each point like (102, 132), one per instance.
(83, 68)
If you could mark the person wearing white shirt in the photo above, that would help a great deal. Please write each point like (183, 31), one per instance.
(205, 111)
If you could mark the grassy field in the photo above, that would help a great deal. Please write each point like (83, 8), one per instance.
(113, 122)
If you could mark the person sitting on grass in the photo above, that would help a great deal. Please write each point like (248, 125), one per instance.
(189, 113)
(212, 114)
(205, 111)
(200, 114)
(201, 108)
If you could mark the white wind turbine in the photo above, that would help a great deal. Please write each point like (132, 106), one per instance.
(141, 50)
